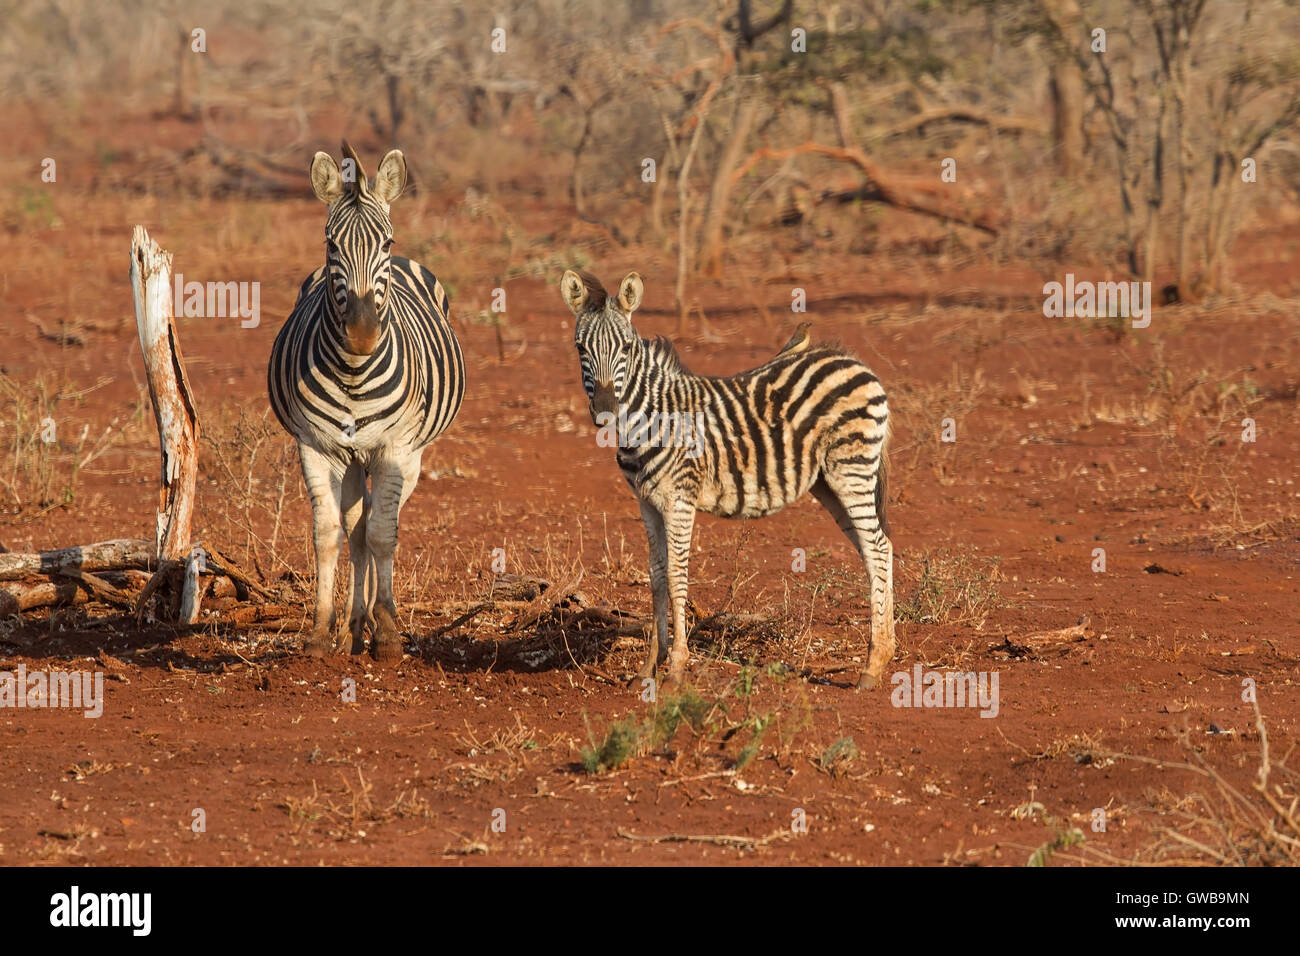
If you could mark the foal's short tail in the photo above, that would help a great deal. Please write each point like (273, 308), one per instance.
(882, 481)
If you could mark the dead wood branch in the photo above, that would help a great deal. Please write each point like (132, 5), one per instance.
(739, 842)
(549, 598)
(879, 186)
(101, 588)
(463, 619)
(711, 242)
(117, 554)
(1064, 635)
(959, 114)
(223, 565)
(726, 62)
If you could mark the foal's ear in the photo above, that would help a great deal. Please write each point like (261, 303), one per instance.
(574, 291)
(630, 293)
(326, 180)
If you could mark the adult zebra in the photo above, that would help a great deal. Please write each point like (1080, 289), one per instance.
(812, 418)
(364, 374)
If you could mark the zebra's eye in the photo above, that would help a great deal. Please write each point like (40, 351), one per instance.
(388, 245)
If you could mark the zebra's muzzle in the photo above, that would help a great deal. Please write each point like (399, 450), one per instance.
(361, 323)
(603, 400)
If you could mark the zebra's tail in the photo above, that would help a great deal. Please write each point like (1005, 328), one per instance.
(882, 481)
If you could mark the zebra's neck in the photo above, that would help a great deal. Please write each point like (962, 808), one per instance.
(651, 377)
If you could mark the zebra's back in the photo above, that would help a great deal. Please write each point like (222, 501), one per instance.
(765, 435)
(406, 392)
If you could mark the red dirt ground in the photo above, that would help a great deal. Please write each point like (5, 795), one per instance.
(1068, 439)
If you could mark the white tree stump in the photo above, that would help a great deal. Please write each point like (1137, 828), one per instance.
(173, 404)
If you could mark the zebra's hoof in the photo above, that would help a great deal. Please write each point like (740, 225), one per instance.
(319, 646)
(867, 681)
(386, 650)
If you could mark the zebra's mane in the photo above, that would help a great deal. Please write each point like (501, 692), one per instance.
(664, 354)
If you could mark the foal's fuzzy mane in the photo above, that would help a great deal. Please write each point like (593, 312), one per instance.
(596, 294)
(663, 348)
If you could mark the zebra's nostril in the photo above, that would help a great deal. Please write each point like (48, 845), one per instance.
(604, 400)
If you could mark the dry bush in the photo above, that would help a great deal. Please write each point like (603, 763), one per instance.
(345, 815)
(40, 467)
(729, 727)
(585, 91)
(1224, 825)
(252, 468)
(919, 408)
(953, 589)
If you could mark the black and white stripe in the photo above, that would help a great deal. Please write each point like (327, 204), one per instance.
(365, 373)
(811, 419)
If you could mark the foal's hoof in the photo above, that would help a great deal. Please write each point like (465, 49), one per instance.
(867, 681)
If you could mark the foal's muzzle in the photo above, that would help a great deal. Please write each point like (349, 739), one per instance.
(604, 400)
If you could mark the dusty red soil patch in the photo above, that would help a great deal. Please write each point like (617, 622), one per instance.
(1068, 440)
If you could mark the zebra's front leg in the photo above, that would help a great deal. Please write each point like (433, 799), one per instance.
(361, 591)
(391, 484)
(324, 479)
(679, 522)
(658, 643)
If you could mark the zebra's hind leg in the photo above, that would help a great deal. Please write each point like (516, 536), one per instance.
(658, 643)
(849, 496)
(679, 522)
(324, 480)
(391, 484)
(361, 591)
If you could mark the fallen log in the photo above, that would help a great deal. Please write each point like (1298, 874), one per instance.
(114, 555)
(17, 598)
(101, 588)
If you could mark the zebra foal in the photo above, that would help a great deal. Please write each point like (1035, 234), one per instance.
(364, 374)
(812, 418)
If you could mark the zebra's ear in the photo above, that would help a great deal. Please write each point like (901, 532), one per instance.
(325, 178)
(391, 178)
(574, 291)
(630, 293)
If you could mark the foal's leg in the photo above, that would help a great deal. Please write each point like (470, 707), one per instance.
(679, 522)
(850, 498)
(655, 532)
